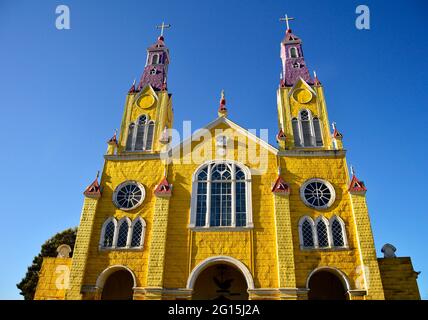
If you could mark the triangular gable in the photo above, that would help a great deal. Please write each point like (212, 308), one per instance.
(357, 185)
(222, 120)
(298, 83)
(147, 89)
(93, 190)
(280, 186)
(163, 189)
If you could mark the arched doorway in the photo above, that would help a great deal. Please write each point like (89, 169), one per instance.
(220, 281)
(118, 286)
(326, 285)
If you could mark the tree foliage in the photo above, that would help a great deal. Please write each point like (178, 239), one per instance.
(28, 284)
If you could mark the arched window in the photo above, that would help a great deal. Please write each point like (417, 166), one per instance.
(149, 138)
(296, 132)
(338, 233)
(141, 135)
(305, 121)
(138, 232)
(130, 138)
(307, 130)
(122, 238)
(322, 233)
(155, 59)
(141, 131)
(306, 231)
(293, 52)
(108, 231)
(317, 130)
(221, 196)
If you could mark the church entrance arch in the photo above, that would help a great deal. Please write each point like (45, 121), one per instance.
(220, 278)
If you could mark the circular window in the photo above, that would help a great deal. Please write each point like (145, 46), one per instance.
(317, 193)
(129, 195)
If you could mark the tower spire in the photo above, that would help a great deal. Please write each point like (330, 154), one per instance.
(293, 62)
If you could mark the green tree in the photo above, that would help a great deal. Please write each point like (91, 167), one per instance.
(29, 282)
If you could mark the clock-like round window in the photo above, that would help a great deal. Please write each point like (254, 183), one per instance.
(317, 193)
(129, 195)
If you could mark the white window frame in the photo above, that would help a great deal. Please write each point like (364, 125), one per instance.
(123, 184)
(117, 225)
(342, 224)
(302, 242)
(297, 52)
(328, 184)
(157, 59)
(143, 233)
(146, 129)
(248, 193)
(327, 230)
(314, 224)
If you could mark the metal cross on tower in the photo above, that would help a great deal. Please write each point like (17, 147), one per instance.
(286, 19)
(162, 27)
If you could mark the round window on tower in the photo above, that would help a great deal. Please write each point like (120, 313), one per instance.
(129, 195)
(317, 193)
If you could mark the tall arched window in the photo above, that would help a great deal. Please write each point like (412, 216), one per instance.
(307, 130)
(221, 196)
(317, 131)
(130, 138)
(138, 232)
(122, 237)
(322, 233)
(155, 59)
(293, 52)
(150, 132)
(306, 231)
(305, 121)
(338, 233)
(141, 135)
(108, 231)
(296, 132)
(141, 132)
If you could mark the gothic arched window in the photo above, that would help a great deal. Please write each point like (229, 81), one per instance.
(293, 52)
(149, 137)
(108, 231)
(155, 59)
(130, 138)
(138, 232)
(221, 196)
(338, 233)
(141, 134)
(122, 237)
(296, 132)
(307, 130)
(306, 231)
(322, 233)
(317, 131)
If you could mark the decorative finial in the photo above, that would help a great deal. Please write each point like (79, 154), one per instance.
(286, 19)
(98, 174)
(333, 125)
(222, 111)
(316, 80)
(132, 89)
(352, 170)
(163, 26)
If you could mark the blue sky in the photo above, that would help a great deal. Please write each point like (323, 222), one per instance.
(62, 95)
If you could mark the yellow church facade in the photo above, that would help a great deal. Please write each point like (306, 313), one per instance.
(224, 214)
